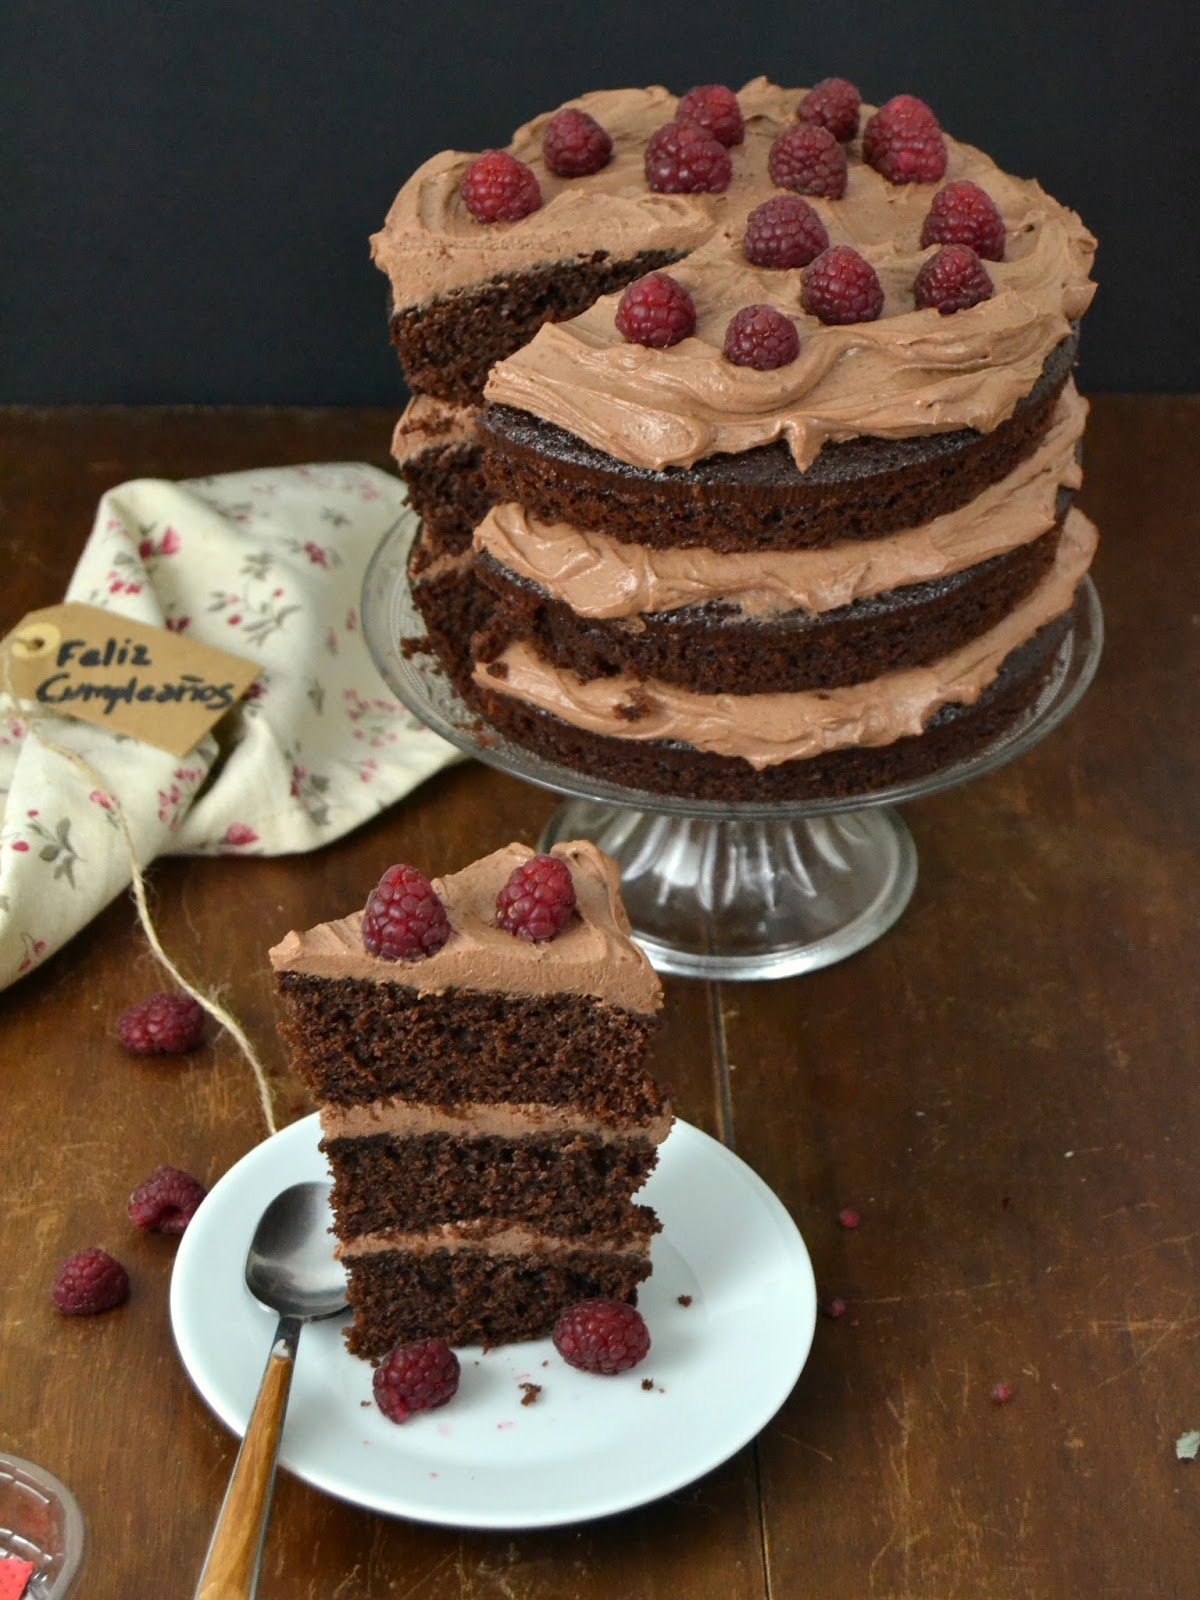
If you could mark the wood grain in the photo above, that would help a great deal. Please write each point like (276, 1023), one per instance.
(1003, 1087)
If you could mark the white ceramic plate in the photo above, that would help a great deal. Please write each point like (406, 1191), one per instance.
(589, 1445)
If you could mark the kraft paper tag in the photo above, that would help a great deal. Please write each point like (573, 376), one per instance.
(150, 683)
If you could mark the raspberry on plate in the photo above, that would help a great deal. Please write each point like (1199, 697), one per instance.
(166, 1201)
(840, 286)
(404, 919)
(784, 231)
(715, 109)
(904, 142)
(809, 160)
(496, 187)
(89, 1282)
(963, 213)
(657, 311)
(953, 279)
(684, 158)
(602, 1336)
(834, 103)
(575, 144)
(537, 901)
(162, 1024)
(761, 337)
(415, 1377)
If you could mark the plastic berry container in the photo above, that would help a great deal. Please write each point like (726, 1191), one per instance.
(40, 1521)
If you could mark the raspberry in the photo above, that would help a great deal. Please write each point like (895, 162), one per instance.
(809, 160)
(714, 108)
(496, 187)
(404, 919)
(761, 337)
(602, 1336)
(963, 213)
(575, 144)
(839, 286)
(784, 232)
(834, 103)
(683, 158)
(537, 901)
(953, 279)
(904, 143)
(849, 1218)
(415, 1377)
(656, 311)
(166, 1201)
(89, 1282)
(162, 1025)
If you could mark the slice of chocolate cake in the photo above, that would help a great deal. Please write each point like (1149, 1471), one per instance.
(486, 1111)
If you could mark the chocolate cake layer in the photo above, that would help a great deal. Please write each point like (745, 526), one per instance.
(860, 489)
(715, 650)
(954, 732)
(571, 1183)
(357, 1041)
(471, 1297)
(446, 489)
(447, 345)
(453, 605)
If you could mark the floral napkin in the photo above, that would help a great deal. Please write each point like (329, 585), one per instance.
(269, 565)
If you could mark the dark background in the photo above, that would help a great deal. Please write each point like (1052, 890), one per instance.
(188, 188)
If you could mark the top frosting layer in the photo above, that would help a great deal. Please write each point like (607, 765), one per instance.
(593, 955)
(910, 372)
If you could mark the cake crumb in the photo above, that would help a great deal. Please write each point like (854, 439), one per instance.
(684, 1300)
(639, 705)
(647, 1384)
(529, 1393)
(497, 669)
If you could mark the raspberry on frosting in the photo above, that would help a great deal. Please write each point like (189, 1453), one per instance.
(953, 279)
(537, 901)
(496, 187)
(840, 286)
(903, 142)
(404, 919)
(809, 160)
(715, 108)
(784, 231)
(761, 337)
(834, 103)
(684, 158)
(575, 145)
(963, 213)
(656, 310)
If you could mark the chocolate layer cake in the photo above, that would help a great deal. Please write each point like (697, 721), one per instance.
(486, 1112)
(702, 577)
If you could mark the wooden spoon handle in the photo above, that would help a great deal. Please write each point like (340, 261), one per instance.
(231, 1566)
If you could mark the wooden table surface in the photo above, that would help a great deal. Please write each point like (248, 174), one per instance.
(1005, 1087)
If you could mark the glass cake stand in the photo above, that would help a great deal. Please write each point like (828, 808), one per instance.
(718, 889)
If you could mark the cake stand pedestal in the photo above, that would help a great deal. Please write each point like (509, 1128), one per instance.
(721, 889)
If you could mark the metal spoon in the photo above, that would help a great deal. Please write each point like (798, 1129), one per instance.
(290, 1267)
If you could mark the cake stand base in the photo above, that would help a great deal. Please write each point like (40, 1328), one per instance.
(727, 897)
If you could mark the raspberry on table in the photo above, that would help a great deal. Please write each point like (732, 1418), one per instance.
(903, 142)
(714, 108)
(808, 160)
(415, 1377)
(656, 310)
(162, 1024)
(761, 337)
(404, 919)
(953, 279)
(840, 286)
(602, 1336)
(89, 1282)
(537, 901)
(496, 187)
(784, 231)
(575, 144)
(834, 103)
(963, 213)
(166, 1201)
(684, 158)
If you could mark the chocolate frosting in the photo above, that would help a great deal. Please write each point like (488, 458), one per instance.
(593, 955)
